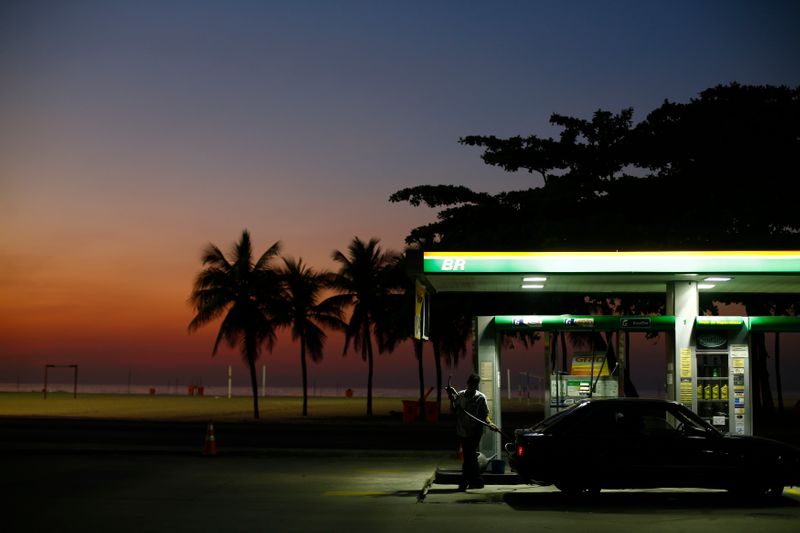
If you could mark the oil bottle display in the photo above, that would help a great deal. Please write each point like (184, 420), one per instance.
(713, 389)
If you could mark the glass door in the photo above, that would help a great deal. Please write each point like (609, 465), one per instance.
(713, 387)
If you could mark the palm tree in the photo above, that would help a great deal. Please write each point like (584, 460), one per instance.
(451, 328)
(363, 282)
(244, 293)
(304, 314)
(398, 325)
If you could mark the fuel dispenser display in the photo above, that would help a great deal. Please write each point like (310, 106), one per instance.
(588, 377)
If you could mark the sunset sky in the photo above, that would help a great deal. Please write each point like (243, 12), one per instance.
(133, 133)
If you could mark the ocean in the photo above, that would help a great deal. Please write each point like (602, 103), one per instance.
(208, 390)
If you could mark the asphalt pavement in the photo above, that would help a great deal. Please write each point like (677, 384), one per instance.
(124, 476)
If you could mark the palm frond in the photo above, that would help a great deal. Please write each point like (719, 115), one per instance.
(213, 256)
(263, 262)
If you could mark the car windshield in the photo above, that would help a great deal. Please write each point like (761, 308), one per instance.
(644, 418)
(691, 419)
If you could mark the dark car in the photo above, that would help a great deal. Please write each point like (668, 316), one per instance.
(639, 443)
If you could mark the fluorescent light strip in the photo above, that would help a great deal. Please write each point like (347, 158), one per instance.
(528, 286)
(717, 278)
(533, 279)
(705, 285)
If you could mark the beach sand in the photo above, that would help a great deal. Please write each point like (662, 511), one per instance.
(239, 409)
(190, 408)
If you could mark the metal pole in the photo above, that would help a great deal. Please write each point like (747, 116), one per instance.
(75, 384)
(263, 380)
(45, 381)
(229, 381)
(508, 382)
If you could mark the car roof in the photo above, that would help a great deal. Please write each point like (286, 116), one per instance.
(629, 400)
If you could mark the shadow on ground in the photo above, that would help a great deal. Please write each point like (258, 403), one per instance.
(641, 502)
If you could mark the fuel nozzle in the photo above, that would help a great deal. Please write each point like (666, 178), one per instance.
(451, 392)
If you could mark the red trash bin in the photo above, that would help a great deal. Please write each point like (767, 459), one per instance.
(410, 411)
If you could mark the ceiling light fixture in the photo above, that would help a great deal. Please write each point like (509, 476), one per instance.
(533, 279)
(529, 286)
(717, 278)
(705, 285)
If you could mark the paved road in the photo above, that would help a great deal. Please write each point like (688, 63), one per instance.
(380, 433)
(173, 488)
(344, 490)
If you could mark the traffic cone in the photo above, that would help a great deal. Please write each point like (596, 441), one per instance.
(210, 447)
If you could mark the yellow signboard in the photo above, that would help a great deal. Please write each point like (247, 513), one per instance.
(589, 365)
(420, 311)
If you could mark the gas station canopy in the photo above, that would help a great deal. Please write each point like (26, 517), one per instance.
(704, 353)
(607, 272)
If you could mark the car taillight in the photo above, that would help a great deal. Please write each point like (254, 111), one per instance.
(520, 450)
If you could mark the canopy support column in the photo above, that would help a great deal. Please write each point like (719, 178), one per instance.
(487, 366)
(683, 301)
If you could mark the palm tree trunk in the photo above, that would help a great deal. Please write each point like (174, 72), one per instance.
(563, 337)
(368, 338)
(760, 379)
(437, 359)
(305, 375)
(420, 371)
(252, 353)
(778, 381)
(254, 385)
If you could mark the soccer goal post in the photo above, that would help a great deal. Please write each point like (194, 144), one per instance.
(74, 378)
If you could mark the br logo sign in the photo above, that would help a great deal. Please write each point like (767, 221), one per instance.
(454, 264)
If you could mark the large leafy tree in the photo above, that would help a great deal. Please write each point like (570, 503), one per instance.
(244, 293)
(577, 170)
(304, 311)
(708, 174)
(365, 285)
(737, 148)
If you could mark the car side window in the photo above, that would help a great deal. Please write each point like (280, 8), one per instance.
(628, 421)
(594, 421)
(646, 421)
(659, 423)
(685, 423)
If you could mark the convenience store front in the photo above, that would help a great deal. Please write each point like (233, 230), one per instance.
(708, 365)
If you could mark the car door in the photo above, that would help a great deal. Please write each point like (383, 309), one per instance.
(680, 453)
(652, 451)
(592, 449)
(632, 452)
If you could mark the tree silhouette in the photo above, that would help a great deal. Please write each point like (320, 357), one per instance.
(396, 325)
(302, 311)
(244, 294)
(365, 286)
